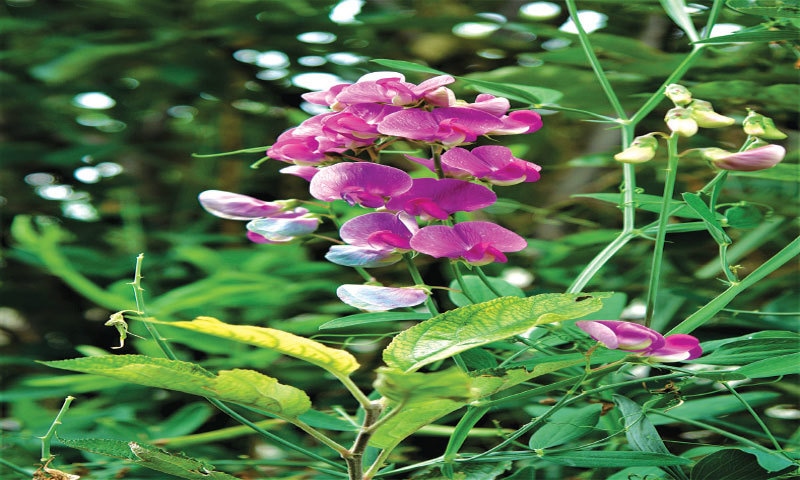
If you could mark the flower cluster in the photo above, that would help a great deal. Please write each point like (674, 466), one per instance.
(642, 341)
(689, 114)
(338, 152)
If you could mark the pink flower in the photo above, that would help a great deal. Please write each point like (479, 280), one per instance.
(378, 299)
(383, 88)
(361, 183)
(752, 160)
(306, 172)
(430, 198)
(477, 243)
(374, 240)
(234, 206)
(491, 163)
(521, 121)
(447, 125)
(632, 337)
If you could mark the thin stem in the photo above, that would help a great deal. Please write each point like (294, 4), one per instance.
(46, 455)
(754, 415)
(355, 456)
(661, 233)
(138, 294)
(461, 283)
(418, 280)
(716, 9)
(486, 282)
(356, 392)
(599, 261)
(594, 62)
(704, 314)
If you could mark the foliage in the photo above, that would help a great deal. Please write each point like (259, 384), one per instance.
(240, 355)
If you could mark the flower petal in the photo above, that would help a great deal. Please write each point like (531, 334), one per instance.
(234, 206)
(677, 348)
(362, 183)
(358, 256)
(378, 299)
(438, 198)
(478, 243)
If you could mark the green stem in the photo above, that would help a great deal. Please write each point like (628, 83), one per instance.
(418, 280)
(599, 261)
(595, 63)
(46, 455)
(138, 294)
(461, 283)
(707, 312)
(754, 415)
(26, 473)
(661, 233)
(716, 9)
(486, 282)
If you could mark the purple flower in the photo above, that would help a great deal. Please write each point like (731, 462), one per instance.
(477, 243)
(491, 163)
(521, 121)
(375, 240)
(447, 125)
(752, 160)
(282, 228)
(430, 198)
(632, 337)
(381, 87)
(362, 183)
(234, 206)
(378, 299)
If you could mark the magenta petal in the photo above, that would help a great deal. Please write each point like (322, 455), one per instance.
(234, 206)
(378, 230)
(466, 240)
(677, 348)
(306, 172)
(362, 183)
(378, 299)
(432, 198)
(627, 335)
(448, 125)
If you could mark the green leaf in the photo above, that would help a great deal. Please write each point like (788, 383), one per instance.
(782, 172)
(601, 459)
(743, 216)
(641, 434)
(376, 317)
(766, 8)
(751, 348)
(521, 93)
(717, 406)
(416, 414)
(338, 362)
(150, 457)
(480, 292)
(467, 327)
(564, 426)
(407, 66)
(643, 201)
(759, 33)
(694, 202)
(729, 464)
(245, 387)
(677, 11)
(402, 387)
(772, 367)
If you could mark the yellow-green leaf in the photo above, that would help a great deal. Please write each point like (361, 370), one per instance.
(467, 327)
(400, 387)
(338, 362)
(421, 411)
(245, 387)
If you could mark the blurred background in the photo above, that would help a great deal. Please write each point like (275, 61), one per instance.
(104, 103)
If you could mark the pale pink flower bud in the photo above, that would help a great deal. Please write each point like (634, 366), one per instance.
(705, 116)
(679, 94)
(760, 126)
(680, 121)
(752, 160)
(641, 150)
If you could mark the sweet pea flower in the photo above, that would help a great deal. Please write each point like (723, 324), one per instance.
(759, 158)
(235, 206)
(361, 183)
(378, 299)
(447, 125)
(476, 243)
(430, 198)
(282, 228)
(305, 144)
(382, 87)
(490, 163)
(643, 341)
(517, 122)
(305, 172)
(374, 240)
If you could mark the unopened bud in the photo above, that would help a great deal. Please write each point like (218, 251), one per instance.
(680, 121)
(760, 126)
(705, 116)
(641, 150)
(679, 94)
(752, 160)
